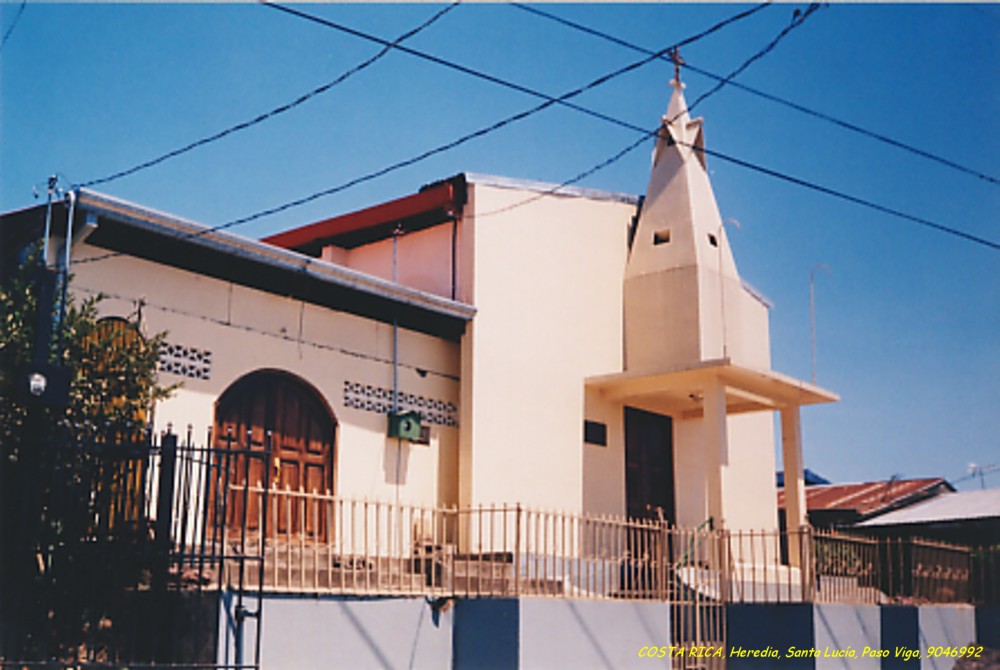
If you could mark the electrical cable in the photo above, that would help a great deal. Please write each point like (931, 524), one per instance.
(548, 102)
(769, 96)
(258, 331)
(17, 17)
(797, 19)
(846, 196)
(275, 111)
(562, 100)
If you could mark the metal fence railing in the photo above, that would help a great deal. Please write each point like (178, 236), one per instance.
(322, 543)
(116, 556)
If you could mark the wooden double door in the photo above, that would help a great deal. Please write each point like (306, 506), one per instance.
(269, 409)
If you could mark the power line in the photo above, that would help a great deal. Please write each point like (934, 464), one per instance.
(17, 17)
(548, 102)
(797, 19)
(259, 331)
(770, 97)
(562, 100)
(849, 198)
(277, 110)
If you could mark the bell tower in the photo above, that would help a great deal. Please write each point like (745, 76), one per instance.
(680, 277)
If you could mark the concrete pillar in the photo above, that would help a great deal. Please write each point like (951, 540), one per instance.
(717, 449)
(795, 493)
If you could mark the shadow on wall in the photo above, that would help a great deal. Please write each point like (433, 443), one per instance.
(396, 461)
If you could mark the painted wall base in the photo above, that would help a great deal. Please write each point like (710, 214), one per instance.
(332, 632)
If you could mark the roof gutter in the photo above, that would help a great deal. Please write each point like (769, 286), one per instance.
(192, 233)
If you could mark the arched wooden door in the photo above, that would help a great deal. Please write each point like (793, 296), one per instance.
(302, 433)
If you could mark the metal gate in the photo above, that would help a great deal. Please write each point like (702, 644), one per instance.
(699, 567)
(116, 552)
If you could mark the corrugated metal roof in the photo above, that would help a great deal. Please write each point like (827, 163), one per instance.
(864, 497)
(947, 507)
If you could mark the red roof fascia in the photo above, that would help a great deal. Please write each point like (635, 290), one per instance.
(440, 196)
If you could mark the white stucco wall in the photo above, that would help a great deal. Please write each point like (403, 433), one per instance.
(604, 466)
(545, 279)
(246, 330)
(423, 259)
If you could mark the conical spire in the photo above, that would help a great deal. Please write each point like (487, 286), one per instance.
(680, 260)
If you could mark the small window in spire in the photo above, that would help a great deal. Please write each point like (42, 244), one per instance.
(661, 236)
(713, 240)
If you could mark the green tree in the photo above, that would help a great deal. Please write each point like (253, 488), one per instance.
(113, 379)
(58, 464)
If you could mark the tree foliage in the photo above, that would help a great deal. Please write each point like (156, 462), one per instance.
(113, 380)
(64, 472)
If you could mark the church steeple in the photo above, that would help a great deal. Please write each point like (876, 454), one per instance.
(680, 271)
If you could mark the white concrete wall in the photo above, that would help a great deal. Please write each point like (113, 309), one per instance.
(545, 279)
(843, 627)
(749, 501)
(604, 467)
(423, 259)
(342, 633)
(587, 634)
(246, 330)
(749, 498)
(944, 626)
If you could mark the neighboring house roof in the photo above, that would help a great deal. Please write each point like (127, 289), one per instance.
(144, 233)
(949, 507)
(866, 499)
(811, 478)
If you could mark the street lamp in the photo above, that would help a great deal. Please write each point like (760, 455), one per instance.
(812, 314)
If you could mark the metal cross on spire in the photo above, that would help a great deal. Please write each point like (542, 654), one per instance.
(675, 56)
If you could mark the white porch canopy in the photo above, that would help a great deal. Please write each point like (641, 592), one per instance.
(714, 389)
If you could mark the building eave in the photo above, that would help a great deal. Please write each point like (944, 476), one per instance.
(152, 235)
(431, 205)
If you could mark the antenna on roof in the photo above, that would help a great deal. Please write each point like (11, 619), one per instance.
(889, 484)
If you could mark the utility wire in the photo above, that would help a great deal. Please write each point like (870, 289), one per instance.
(548, 102)
(260, 331)
(849, 198)
(768, 96)
(797, 19)
(277, 110)
(17, 17)
(562, 100)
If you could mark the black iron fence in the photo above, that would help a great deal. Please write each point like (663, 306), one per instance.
(114, 552)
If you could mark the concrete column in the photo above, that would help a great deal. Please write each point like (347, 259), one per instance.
(716, 447)
(795, 493)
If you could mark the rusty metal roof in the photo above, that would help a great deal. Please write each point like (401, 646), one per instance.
(867, 498)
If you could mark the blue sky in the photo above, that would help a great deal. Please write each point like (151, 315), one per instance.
(907, 319)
